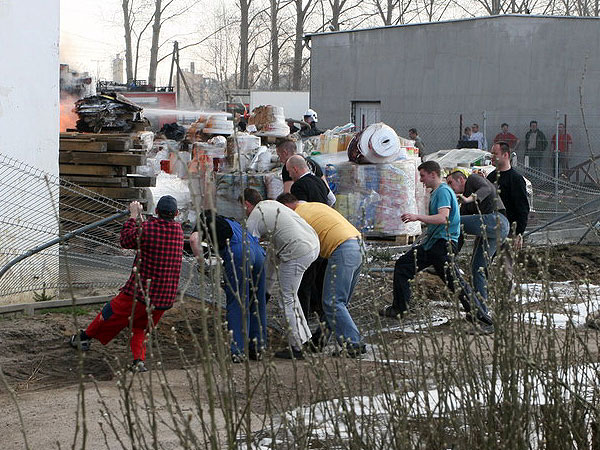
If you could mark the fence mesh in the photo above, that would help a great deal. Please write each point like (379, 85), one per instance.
(42, 207)
(578, 141)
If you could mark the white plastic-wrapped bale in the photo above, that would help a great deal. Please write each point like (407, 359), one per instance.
(167, 184)
(374, 196)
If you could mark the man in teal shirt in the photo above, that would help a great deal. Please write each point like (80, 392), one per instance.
(443, 230)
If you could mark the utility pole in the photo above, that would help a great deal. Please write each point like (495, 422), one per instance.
(175, 51)
(180, 76)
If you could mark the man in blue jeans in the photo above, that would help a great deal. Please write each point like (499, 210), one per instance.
(340, 245)
(441, 240)
(482, 214)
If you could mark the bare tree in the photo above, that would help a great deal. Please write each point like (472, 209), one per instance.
(303, 9)
(274, 8)
(543, 7)
(393, 12)
(340, 10)
(434, 10)
(163, 12)
(158, 10)
(127, 6)
(244, 6)
(137, 46)
(587, 7)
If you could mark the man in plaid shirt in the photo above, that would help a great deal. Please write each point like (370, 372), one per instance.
(153, 281)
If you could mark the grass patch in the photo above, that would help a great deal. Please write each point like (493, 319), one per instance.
(71, 310)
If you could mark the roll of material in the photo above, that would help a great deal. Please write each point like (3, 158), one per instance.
(377, 144)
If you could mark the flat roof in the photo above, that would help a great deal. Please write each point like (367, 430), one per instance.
(467, 19)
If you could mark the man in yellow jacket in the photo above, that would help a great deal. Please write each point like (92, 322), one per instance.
(340, 244)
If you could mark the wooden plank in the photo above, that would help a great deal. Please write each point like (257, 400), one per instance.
(115, 193)
(119, 193)
(83, 216)
(142, 181)
(82, 145)
(79, 135)
(400, 239)
(83, 169)
(118, 145)
(108, 159)
(98, 181)
(405, 239)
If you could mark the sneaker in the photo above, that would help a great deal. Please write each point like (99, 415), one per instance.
(310, 347)
(390, 311)
(481, 329)
(289, 353)
(80, 341)
(352, 351)
(138, 366)
(316, 344)
(254, 355)
(237, 358)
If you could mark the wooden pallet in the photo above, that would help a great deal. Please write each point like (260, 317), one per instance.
(115, 142)
(104, 164)
(82, 145)
(116, 193)
(400, 239)
(105, 159)
(93, 170)
(99, 181)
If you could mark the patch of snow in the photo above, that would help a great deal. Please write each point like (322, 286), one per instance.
(588, 296)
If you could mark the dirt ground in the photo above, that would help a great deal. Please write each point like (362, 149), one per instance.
(41, 368)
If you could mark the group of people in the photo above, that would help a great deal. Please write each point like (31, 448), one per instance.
(491, 208)
(536, 144)
(302, 243)
(303, 246)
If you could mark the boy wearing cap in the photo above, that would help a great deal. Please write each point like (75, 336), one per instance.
(152, 285)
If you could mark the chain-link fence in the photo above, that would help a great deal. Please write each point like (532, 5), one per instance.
(43, 207)
(563, 144)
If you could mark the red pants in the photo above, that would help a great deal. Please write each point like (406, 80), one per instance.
(116, 315)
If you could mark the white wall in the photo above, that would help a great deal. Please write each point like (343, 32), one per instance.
(29, 32)
(29, 132)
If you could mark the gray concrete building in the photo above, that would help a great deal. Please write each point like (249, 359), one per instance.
(509, 68)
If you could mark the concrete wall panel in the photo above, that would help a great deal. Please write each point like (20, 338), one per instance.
(516, 68)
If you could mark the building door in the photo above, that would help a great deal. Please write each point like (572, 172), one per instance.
(365, 114)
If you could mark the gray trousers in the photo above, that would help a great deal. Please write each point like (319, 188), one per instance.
(290, 275)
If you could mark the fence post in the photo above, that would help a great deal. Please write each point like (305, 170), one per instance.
(568, 151)
(557, 118)
(485, 129)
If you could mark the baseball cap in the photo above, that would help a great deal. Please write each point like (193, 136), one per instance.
(167, 204)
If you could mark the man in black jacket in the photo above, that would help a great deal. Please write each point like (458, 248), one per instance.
(306, 187)
(511, 186)
(513, 193)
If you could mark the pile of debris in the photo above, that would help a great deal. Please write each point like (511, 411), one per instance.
(108, 112)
